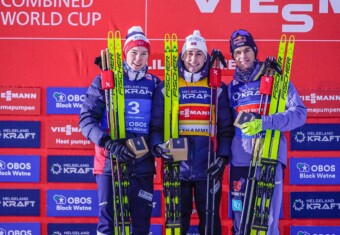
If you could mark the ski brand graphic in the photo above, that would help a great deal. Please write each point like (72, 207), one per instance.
(315, 171)
(316, 137)
(315, 204)
(71, 202)
(65, 100)
(19, 168)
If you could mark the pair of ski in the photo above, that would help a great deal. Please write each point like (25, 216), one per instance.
(171, 180)
(113, 86)
(259, 192)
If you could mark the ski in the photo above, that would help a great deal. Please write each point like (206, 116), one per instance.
(269, 157)
(171, 180)
(116, 107)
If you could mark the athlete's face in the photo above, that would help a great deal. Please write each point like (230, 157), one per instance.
(137, 57)
(244, 57)
(194, 60)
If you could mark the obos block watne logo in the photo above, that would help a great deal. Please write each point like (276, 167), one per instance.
(65, 100)
(315, 171)
(72, 203)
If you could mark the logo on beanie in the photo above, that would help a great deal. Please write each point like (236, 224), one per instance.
(240, 40)
(193, 43)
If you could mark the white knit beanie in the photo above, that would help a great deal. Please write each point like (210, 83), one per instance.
(195, 40)
(136, 38)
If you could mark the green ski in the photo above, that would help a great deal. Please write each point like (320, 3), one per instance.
(171, 180)
(269, 157)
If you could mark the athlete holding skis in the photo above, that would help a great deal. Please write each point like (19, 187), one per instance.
(194, 104)
(139, 88)
(245, 96)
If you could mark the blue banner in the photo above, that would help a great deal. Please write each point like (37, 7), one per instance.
(19, 202)
(70, 169)
(316, 137)
(61, 100)
(17, 168)
(315, 205)
(19, 134)
(315, 230)
(67, 229)
(315, 171)
(20, 228)
(72, 203)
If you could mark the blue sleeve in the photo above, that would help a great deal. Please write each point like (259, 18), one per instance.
(293, 117)
(225, 128)
(157, 117)
(91, 113)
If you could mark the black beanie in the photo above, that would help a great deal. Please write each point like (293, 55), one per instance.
(241, 38)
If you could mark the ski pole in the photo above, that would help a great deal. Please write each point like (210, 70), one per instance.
(214, 82)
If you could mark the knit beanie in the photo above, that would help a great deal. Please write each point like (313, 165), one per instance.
(241, 38)
(135, 38)
(195, 40)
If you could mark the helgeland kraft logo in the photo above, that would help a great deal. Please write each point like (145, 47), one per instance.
(315, 204)
(316, 137)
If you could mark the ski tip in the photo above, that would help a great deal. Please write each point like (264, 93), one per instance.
(167, 37)
(174, 37)
(117, 34)
(110, 34)
(283, 38)
(291, 38)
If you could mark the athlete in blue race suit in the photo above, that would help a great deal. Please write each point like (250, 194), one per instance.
(194, 104)
(139, 88)
(244, 95)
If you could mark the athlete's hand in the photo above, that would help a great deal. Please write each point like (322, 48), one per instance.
(121, 152)
(216, 168)
(252, 127)
(163, 152)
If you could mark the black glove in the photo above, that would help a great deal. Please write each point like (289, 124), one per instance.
(216, 169)
(217, 54)
(121, 152)
(162, 151)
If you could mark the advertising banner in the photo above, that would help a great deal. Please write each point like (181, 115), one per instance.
(19, 134)
(312, 230)
(315, 171)
(315, 205)
(66, 134)
(19, 168)
(72, 203)
(74, 228)
(19, 202)
(20, 101)
(316, 137)
(19, 228)
(70, 169)
(61, 100)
